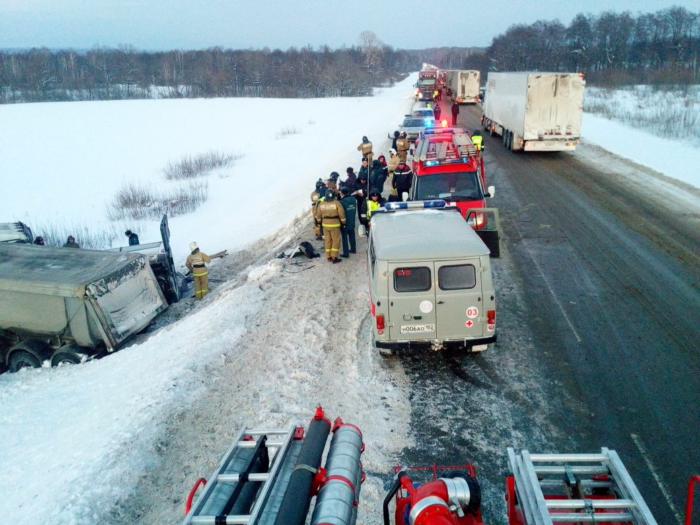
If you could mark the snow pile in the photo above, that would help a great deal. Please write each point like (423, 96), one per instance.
(63, 163)
(639, 123)
(74, 436)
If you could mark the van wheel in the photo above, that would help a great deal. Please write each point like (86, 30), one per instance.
(66, 355)
(22, 359)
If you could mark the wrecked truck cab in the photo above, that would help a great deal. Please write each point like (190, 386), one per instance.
(63, 305)
(430, 280)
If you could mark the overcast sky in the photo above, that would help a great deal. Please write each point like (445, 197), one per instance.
(168, 24)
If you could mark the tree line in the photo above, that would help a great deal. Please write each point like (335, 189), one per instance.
(611, 48)
(98, 74)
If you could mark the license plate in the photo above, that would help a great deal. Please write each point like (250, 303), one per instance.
(417, 328)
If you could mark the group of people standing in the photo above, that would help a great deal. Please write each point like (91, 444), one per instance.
(337, 205)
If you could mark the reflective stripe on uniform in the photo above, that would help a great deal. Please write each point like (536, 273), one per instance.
(200, 274)
(331, 225)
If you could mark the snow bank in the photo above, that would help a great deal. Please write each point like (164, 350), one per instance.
(654, 127)
(673, 158)
(63, 162)
(74, 436)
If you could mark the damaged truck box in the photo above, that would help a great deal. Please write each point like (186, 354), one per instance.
(63, 305)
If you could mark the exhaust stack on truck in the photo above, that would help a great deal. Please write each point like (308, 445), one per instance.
(535, 111)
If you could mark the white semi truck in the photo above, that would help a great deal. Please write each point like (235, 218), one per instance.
(464, 85)
(534, 111)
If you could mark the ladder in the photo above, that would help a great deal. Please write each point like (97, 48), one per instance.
(576, 488)
(250, 480)
(458, 147)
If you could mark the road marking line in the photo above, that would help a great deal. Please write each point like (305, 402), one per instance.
(662, 486)
(549, 287)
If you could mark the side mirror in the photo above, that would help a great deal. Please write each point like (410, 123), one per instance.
(491, 191)
(404, 196)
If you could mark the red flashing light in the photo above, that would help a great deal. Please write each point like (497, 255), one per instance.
(443, 123)
(380, 324)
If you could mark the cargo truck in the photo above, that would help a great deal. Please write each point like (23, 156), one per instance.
(535, 111)
(464, 85)
(427, 83)
(62, 305)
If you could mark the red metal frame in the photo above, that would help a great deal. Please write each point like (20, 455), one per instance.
(201, 482)
(691, 499)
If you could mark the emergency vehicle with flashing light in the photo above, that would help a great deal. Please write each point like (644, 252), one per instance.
(447, 166)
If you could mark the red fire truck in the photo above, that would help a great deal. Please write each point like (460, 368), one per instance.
(447, 166)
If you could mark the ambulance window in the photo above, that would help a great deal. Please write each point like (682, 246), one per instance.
(412, 279)
(458, 277)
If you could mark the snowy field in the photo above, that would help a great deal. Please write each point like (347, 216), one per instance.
(658, 129)
(63, 163)
(75, 439)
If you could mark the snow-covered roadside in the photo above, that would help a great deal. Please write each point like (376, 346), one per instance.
(308, 344)
(673, 158)
(63, 163)
(74, 439)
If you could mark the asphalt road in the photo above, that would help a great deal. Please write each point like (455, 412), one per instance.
(599, 334)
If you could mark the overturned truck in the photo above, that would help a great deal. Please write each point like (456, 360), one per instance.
(63, 305)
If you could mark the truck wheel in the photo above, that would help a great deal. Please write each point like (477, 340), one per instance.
(66, 355)
(20, 359)
(27, 354)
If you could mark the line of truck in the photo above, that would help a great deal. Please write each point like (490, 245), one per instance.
(530, 111)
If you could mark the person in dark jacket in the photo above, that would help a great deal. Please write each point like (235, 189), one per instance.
(351, 179)
(393, 141)
(133, 238)
(347, 232)
(320, 187)
(403, 179)
(70, 243)
(385, 167)
(377, 177)
(39, 241)
(436, 111)
(361, 196)
(455, 113)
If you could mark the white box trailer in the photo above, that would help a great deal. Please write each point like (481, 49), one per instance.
(465, 85)
(535, 111)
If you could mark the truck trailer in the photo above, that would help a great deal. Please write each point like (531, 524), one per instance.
(465, 85)
(535, 111)
(63, 305)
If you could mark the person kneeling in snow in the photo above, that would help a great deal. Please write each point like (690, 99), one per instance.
(197, 264)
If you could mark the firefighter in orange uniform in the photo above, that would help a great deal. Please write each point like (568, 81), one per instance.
(403, 145)
(331, 214)
(366, 149)
(197, 264)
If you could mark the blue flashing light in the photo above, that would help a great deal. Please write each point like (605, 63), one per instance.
(434, 203)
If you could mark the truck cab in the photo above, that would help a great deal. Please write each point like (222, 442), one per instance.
(427, 83)
(447, 166)
(430, 280)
